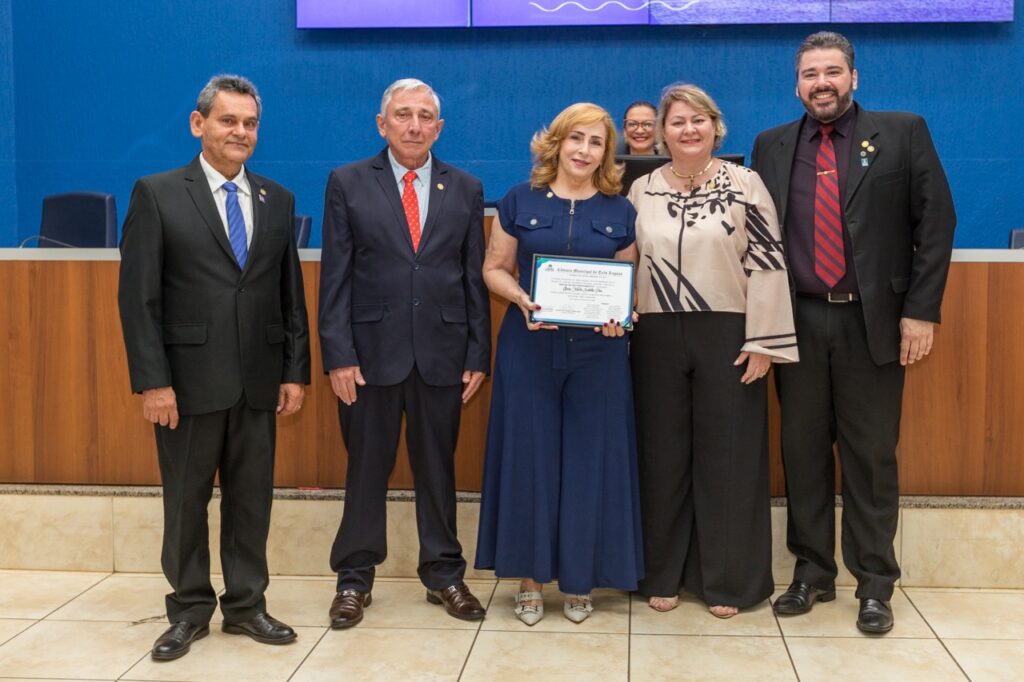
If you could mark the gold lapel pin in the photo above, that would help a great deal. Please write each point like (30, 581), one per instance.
(440, 186)
(263, 191)
(871, 149)
(865, 143)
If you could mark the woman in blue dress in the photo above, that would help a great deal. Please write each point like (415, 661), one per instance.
(560, 475)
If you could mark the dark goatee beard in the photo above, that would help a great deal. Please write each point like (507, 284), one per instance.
(843, 103)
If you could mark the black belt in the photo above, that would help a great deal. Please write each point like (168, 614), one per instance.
(831, 297)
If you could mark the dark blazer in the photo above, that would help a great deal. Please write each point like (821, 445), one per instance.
(385, 307)
(191, 318)
(899, 213)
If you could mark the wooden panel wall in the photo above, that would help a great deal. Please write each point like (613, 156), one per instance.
(68, 415)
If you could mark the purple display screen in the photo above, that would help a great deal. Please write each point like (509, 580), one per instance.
(381, 13)
(432, 13)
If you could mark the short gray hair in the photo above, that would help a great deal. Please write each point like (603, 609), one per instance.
(826, 40)
(226, 82)
(404, 85)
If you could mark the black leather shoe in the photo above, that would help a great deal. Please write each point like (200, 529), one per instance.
(177, 640)
(875, 616)
(262, 627)
(800, 597)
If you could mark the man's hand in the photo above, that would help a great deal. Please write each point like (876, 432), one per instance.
(289, 399)
(160, 406)
(472, 380)
(344, 381)
(916, 337)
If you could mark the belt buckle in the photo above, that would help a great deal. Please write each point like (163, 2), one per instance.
(845, 298)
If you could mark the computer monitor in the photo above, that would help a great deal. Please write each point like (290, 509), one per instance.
(639, 166)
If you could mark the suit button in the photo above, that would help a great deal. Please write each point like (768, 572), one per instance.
(241, 290)
(415, 301)
(416, 266)
(608, 229)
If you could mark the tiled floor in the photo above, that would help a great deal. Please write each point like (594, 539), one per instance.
(99, 626)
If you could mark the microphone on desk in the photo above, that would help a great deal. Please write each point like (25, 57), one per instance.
(41, 238)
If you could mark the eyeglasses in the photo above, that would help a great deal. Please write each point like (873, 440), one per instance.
(632, 125)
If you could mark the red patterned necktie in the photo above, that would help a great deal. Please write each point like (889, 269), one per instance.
(829, 261)
(412, 208)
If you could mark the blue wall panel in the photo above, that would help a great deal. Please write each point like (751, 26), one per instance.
(103, 89)
(8, 196)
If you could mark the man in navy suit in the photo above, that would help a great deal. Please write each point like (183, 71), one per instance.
(868, 223)
(214, 321)
(404, 328)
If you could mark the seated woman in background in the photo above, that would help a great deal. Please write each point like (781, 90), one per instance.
(638, 125)
(560, 475)
(715, 312)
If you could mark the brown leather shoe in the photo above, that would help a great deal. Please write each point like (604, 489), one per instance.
(347, 608)
(458, 601)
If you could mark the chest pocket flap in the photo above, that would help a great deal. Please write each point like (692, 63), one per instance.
(532, 221)
(611, 230)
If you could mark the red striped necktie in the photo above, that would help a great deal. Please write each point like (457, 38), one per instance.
(829, 260)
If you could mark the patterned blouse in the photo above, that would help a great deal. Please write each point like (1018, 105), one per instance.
(716, 248)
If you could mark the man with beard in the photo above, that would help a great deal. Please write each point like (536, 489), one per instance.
(868, 224)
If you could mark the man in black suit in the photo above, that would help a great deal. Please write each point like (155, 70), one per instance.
(868, 227)
(215, 327)
(405, 328)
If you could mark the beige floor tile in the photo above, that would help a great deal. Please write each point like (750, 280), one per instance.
(34, 594)
(532, 656)
(125, 598)
(839, 618)
(300, 601)
(86, 650)
(940, 541)
(879, 660)
(139, 530)
(783, 562)
(610, 615)
(678, 658)
(988, 660)
(230, 658)
(691, 617)
(368, 654)
(56, 532)
(971, 615)
(301, 535)
(9, 627)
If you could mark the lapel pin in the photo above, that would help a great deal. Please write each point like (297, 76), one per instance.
(871, 149)
(550, 194)
(863, 153)
(864, 162)
(263, 195)
(865, 143)
(440, 186)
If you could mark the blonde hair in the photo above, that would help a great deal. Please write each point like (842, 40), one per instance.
(694, 97)
(547, 143)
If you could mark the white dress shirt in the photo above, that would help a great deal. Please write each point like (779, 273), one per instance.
(220, 196)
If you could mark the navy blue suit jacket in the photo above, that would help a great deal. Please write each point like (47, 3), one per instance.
(385, 307)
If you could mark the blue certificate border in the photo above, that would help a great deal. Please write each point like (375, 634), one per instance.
(540, 258)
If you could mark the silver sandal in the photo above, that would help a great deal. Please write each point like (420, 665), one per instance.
(577, 607)
(529, 613)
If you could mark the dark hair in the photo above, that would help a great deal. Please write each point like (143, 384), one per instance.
(826, 40)
(226, 82)
(639, 103)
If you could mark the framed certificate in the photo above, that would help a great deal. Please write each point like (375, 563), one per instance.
(581, 292)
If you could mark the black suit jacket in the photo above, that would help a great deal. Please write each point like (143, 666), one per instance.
(899, 213)
(191, 318)
(386, 307)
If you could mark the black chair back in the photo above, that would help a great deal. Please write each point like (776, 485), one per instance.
(1017, 238)
(79, 219)
(303, 224)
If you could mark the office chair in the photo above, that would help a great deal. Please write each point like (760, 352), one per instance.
(78, 220)
(1017, 238)
(303, 224)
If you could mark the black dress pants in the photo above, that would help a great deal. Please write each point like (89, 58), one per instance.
(837, 394)
(239, 443)
(370, 428)
(703, 446)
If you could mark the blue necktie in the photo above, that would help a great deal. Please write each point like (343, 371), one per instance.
(236, 224)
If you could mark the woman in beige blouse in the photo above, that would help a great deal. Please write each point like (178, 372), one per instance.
(715, 312)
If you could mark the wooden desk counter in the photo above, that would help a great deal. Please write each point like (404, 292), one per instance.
(69, 416)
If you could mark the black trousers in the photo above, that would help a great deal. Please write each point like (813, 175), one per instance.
(703, 445)
(370, 428)
(239, 444)
(837, 394)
